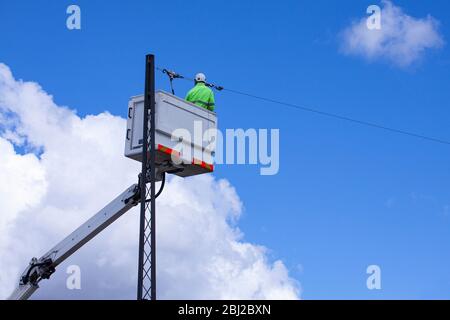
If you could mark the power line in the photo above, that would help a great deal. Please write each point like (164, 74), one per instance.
(337, 116)
(330, 115)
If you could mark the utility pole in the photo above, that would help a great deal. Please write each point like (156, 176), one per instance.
(146, 288)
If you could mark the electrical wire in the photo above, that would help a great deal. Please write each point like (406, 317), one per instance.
(330, 115)
(161, 187)
(340, 117)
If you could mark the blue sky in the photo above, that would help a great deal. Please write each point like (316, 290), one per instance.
(346, 196)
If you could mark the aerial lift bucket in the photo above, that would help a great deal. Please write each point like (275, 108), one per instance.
(185, 134)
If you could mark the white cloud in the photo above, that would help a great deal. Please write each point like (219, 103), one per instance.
(402, 39)
(80, 168)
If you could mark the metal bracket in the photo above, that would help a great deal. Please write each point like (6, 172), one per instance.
(168, 167)
(165, 167)
(37, 270)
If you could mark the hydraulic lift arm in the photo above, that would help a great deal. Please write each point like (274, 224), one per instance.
(44, 267)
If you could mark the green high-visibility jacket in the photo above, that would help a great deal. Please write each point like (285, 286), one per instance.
(202, 96)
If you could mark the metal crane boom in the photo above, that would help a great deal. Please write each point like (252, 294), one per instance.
(44, 267)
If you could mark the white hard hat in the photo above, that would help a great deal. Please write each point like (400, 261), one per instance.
(200, 77)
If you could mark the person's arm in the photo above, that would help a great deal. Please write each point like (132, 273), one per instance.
(188, 96)
(211, 102)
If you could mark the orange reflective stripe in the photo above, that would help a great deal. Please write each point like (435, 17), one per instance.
(203, 164)
(196, 162)
(168, 150)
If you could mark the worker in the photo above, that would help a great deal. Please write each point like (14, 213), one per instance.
(201, 95)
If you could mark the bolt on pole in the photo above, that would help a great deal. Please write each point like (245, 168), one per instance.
(146, 288)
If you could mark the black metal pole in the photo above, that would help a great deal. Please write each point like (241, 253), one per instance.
(151, 96)
(147, 260)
